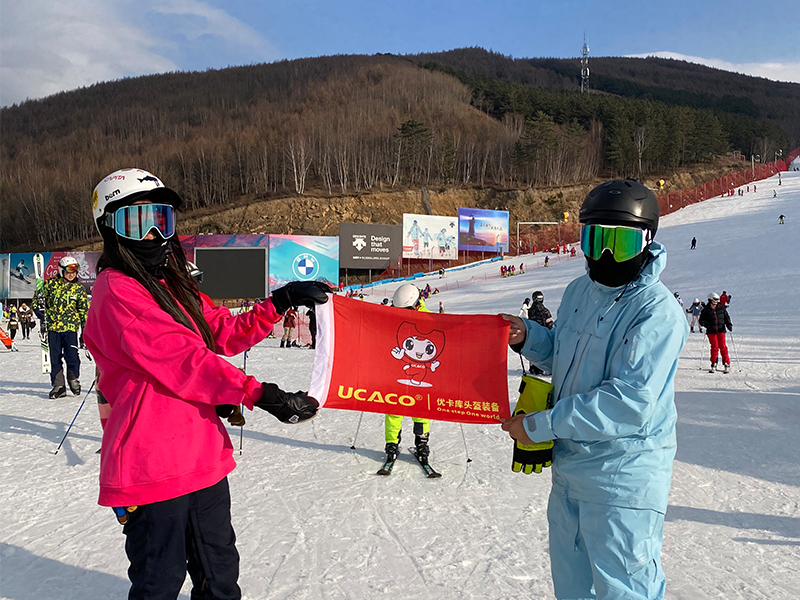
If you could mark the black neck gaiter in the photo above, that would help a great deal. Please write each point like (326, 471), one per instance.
(609, 272)
(152, 254)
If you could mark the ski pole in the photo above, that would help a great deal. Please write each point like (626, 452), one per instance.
(361, 416)
(241, 427)
(463, 437)
(91, 387)
(736, 354)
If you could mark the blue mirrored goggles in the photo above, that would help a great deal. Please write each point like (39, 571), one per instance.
(624, 242)
(137, 220)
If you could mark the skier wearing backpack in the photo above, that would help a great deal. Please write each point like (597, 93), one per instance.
(714, 317)
(613, 353)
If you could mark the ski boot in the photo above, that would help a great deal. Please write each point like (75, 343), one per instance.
(58, 391)
(421, 443)
(74, 386)
(726, 368)
(392, 450)
(713, 368)
(283, 343)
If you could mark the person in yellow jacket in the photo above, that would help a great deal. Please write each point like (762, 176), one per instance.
(407, 296)
(66, 304)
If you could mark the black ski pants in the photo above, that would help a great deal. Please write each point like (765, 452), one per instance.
(63, 343)
(190, 533)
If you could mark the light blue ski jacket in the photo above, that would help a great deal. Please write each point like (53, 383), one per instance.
(613, 355)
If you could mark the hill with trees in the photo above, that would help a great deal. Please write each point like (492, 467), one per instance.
(344, 126)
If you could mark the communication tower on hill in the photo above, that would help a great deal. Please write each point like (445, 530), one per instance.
(584, 66)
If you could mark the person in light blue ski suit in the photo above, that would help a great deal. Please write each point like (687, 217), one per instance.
(613, 353)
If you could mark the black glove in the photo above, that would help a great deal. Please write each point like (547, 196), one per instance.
(730, 328)
(224, 410)
(232, 412)
(307, 293)
(285, 406)
(531, 461)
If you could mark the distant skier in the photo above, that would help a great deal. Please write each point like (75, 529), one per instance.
(523, 312)
(694, 243)
(546, 261)
(540, 314)
(678, 298)
(774, 193)
(780, 219)
(725, 299)
(695, 309)
(715, 319)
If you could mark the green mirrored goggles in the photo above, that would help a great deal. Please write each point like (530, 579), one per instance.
(624, 242)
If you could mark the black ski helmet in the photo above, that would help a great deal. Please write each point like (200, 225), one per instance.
(621, 202)
(537, 296)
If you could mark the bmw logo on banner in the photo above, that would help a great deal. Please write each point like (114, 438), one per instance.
(305, 267)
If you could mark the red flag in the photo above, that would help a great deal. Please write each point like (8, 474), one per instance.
(376, 358)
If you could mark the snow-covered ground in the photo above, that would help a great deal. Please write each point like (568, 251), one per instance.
(313, 520)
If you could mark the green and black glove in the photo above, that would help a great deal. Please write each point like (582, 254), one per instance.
(534, 395)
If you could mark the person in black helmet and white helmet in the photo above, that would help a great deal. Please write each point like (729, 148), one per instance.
(613, 353)
(159, 346)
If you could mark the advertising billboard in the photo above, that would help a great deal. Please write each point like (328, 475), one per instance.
(429, 236)
(367, 246)
(22, 282)
(232, 272)
(302, 258)
(482, 230)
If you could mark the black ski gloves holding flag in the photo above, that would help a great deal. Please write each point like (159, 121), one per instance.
(296, 293)
(287, 407)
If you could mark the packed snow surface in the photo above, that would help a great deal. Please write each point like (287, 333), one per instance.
(313, 521)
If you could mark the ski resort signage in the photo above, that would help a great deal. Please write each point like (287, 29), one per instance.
(367, 246)
(430, 237)
(375, 358)
(21, 280)
(302, 258)
(482, 230)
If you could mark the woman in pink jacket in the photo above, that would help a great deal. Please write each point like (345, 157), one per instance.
(166, 454)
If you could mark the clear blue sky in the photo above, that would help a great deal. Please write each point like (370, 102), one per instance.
(52, 45)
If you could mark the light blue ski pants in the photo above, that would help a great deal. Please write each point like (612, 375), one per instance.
(604, 552)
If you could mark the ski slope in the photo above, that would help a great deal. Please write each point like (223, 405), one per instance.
(313, 521)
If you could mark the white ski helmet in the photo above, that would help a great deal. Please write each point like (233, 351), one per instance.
(696, 301)
(124, 187)
(406, 296)
(713, 296)
(64, 263)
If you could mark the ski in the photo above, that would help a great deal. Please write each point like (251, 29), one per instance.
(430, 473)
(38, 268)
(387, 467)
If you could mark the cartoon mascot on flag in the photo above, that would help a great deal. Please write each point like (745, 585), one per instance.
(418, 351)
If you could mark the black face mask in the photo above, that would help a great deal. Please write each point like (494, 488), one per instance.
(607, 271)
(151, 254)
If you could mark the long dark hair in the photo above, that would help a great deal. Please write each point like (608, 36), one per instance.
(178, 290)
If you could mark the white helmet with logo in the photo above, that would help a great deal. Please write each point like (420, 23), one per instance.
(406, 296)
(125, 186)
(64, 263)
(714, 296)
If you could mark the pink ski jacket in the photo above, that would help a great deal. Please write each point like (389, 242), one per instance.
(163, 438)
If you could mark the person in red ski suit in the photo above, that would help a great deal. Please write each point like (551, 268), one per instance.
(714, 317)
